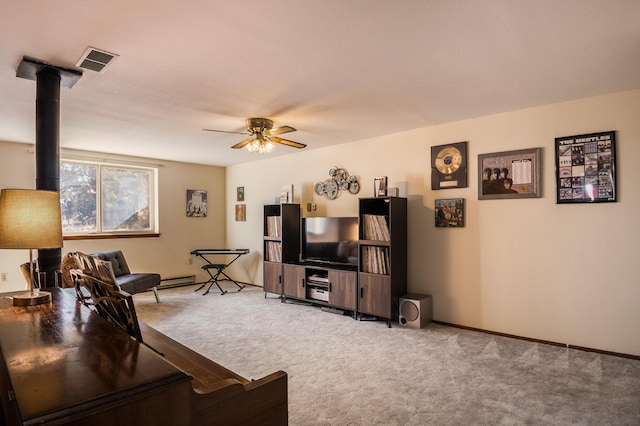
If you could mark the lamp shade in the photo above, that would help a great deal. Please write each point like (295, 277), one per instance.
(30, 219)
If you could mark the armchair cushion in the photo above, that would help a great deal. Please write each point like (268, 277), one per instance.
(118, 262)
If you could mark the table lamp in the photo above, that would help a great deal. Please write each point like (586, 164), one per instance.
(30, 219)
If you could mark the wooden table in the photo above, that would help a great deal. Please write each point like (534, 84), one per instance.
(60, 363)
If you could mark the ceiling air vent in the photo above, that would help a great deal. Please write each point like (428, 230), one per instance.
(95, 59)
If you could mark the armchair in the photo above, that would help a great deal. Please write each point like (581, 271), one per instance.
(130, 282)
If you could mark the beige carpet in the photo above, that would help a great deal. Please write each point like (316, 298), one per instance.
(347, 372)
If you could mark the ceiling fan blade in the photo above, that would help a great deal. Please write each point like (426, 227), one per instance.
(279, 130)
(243, 143)
(288, 142)
(225, 131)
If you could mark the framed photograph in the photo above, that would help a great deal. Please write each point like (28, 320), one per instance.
(241, 212)
(380, 186)
(449, 166)
(240, 193)
(286, 194)
(510, 174)
(450, 213)
(196, 203)
(586, 168)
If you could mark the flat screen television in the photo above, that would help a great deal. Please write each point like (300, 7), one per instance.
(331, 240)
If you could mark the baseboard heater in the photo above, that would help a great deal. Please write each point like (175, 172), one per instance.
(177, 281)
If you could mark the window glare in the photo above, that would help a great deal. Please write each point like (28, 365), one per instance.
(99, 198)
(78, 197)
(125, 199)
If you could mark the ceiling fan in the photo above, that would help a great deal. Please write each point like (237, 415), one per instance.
(262, 136)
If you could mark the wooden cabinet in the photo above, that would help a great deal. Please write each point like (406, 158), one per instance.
(382, 270)
(375, 294)
(272, 277)
(281, 243)
(343, 288)
(294, 281)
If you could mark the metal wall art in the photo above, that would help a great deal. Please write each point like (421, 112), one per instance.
(339, 180)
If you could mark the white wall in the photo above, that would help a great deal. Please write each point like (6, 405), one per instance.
(168, 254)
(529, 267)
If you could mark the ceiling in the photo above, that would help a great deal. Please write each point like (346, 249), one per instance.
(338, 71)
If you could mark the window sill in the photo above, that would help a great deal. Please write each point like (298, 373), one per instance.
(108, 236)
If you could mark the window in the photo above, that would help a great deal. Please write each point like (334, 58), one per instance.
(107, 198)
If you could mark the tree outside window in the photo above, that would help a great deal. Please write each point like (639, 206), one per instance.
(97, 198)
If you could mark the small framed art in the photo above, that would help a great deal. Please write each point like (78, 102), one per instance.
(240, 193)
(241, 212)
(196, 203)
(449, 213)
(286, 195)
(380, 186)
(510, 174)
(586, 168)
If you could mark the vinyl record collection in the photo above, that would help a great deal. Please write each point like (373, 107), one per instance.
(375, 259)
(273, 251)
(375, 227)
(273, 226)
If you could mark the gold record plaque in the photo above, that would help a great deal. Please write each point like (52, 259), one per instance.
(449, 166)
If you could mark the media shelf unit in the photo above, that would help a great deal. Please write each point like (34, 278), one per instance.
(382, 271)
(281, 243)
(370, 290)
(333, 286)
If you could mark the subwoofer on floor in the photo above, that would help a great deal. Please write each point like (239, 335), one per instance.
(415, 310)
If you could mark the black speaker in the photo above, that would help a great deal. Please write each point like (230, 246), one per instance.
(415, 310)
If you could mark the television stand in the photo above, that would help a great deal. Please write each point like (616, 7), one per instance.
(328, 286)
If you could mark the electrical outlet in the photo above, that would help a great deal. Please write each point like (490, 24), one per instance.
(4, 276)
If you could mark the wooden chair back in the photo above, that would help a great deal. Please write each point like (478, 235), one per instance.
(105, 297)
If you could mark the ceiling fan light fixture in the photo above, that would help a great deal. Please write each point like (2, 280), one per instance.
(262, 136)
(262, 146)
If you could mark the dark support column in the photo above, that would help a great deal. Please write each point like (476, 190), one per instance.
(48, 78)
(48, 154)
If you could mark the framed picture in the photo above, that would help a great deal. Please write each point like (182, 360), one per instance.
(286, 194)
(510, 174)
(196, 203)
(449, 166)
(240, 193)
(586, 168)
(380, 186)
(450, 213)
(241, 212)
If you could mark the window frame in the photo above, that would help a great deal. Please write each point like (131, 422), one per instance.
(154, 229)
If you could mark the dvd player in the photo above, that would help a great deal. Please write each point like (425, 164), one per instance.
(319, 294)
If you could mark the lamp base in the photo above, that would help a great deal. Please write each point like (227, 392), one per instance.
(31, 299)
